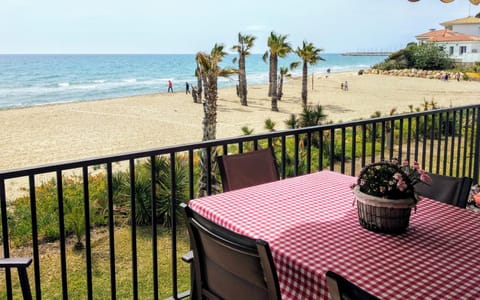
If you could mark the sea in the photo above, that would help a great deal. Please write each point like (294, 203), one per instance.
(31, 79)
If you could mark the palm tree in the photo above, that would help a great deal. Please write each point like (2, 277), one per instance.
(245, 42)
(309, 54)
(284, 72)
(278, 47)
(210, 70)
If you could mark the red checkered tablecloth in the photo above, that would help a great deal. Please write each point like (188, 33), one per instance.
(312, 226)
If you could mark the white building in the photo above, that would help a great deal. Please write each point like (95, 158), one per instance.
(460, 38)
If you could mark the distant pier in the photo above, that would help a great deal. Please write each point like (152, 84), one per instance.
(368, 53)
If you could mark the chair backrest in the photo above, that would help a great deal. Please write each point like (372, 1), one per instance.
(228, 265)
(340, 288)
(451, 190)
(247, 169)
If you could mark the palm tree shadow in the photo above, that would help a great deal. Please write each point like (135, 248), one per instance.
(336, 108)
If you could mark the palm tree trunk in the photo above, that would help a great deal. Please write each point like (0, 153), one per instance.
(271, 76)
(210, 110)
(242, 80)
(280, 88)
(203, 180)
(304, 84)
(205, 83)
(199, 84)
(274, 83)
(209, 133)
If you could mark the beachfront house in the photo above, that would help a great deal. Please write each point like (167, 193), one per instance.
(460, 38)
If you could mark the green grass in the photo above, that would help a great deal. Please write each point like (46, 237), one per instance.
(76, 278)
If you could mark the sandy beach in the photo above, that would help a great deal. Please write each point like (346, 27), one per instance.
(63, 132)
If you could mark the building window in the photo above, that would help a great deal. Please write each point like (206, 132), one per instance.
(450, 51)
(463, 49)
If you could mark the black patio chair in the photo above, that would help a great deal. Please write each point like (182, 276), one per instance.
(451, 190)
(228, 265)
(247, 169)
(21, 264)
(340, 288)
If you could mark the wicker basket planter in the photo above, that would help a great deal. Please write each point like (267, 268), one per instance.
(381, 214)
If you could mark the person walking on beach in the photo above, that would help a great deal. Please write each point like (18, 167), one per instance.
(187, 88)
(345, 86)
(170, 87)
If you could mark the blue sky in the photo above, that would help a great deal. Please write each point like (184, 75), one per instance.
(189, 26)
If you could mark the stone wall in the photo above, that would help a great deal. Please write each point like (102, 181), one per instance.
(414, 73)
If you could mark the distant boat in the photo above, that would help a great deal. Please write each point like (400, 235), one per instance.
(367, 53)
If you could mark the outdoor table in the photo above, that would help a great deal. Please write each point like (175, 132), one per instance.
(312, 226)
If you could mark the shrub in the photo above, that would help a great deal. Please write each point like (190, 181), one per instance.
(431, 57)
(427, 56)
(163, 188)
(269, 125)
(292, 122)
(47, 210)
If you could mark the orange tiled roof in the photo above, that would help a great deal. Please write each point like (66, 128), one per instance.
(475, 2)
(445, 35)
(467, 20)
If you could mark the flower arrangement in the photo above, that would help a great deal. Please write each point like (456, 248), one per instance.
(391, 180)
(474, 198)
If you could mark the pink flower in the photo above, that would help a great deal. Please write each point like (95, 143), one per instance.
(416, 165)
(405, 163)
(382, 189)
(402, 186)
(397, 176)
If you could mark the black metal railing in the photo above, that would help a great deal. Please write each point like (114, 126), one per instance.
(444, 141)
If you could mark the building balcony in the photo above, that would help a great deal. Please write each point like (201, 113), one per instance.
(109, 227)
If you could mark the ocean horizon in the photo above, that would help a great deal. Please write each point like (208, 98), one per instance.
(39, 79)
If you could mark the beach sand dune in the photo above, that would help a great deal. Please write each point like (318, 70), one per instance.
(63, 132)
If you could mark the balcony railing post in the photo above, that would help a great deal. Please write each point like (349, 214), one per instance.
(476, 154)
(153, 200)
(6, 246)
(173, 206)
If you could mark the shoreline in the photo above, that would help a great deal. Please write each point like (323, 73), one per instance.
(59, 132)
(149, 94)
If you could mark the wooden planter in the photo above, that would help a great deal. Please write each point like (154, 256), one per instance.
(381, 214)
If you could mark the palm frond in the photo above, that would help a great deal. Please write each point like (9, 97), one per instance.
(295, 65)
(265, 56)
